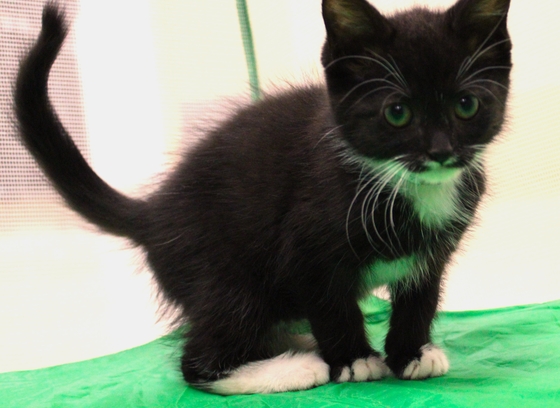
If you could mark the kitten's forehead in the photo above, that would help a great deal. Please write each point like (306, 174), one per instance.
(418, 20)
(425, 49)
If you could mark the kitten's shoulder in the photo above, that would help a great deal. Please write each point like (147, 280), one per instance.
(276, 118)
(291, 103)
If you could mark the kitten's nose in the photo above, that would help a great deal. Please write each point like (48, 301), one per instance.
(440, 148)
(440, 156)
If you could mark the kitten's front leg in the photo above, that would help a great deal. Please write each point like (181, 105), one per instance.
(410, 352)
(339, 330)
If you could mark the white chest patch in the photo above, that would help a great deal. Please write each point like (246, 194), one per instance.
(434, 193)
(435, 204)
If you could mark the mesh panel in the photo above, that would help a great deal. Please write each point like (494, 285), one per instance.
(25, 194)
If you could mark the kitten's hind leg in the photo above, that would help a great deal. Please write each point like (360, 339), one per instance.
(242, 357)
(287, 372)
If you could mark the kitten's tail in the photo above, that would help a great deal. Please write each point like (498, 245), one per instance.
(48, 141)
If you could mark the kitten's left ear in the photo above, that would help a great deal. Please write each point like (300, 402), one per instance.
(478, 20)
(354, 25)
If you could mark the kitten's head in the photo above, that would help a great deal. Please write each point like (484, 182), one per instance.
(422, 90)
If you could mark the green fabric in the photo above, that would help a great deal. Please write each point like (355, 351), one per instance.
(499, 358)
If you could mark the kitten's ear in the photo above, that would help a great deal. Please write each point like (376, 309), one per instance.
(353, 26)
(478, 20)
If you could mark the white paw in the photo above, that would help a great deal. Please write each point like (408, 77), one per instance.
(433, 363)
(364, 369)
(286, 372)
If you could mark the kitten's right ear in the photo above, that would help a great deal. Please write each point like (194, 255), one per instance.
(353, 26)
(478, 20)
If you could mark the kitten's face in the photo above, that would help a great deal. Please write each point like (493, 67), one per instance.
(422, 92)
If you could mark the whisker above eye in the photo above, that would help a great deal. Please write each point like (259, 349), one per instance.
(374, 91)
(370, 81)
(481, 50)
(400, 74)
(391, 68)
(469, 61)
(483, 70)
(491, 81)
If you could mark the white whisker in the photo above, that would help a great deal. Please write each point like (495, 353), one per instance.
(483, 70)
(469, 61)
(372, 92)
(400, 74)
(384, 63)
(363, 211)
(330, 132)
(392, 199)
(393, 169)
(369, 81)
(473, 178)
(378, 178)
(360, 188)
(393, 69)
(489, 81)
(480, 50)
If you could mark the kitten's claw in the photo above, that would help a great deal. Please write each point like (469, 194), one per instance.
(432, 363)
(364, 369)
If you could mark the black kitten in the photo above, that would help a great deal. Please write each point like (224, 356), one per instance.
(299, 205)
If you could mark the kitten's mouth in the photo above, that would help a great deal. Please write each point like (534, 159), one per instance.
(425, 173)
(434, 173)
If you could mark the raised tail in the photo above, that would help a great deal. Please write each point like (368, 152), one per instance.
(52, 147)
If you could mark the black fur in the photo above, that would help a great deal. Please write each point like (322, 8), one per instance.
(270, 218)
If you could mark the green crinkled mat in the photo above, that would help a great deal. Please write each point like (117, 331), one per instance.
(499, 358)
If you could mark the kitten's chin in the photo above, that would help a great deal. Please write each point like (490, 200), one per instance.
(435, 176)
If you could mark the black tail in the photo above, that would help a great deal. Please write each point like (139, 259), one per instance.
(52, 147)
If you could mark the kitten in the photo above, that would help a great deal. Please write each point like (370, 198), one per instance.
(299, 205)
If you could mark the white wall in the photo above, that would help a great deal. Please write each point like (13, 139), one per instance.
(149, 64)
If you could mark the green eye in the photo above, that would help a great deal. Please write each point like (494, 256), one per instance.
(467, 107)
(398, 115)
